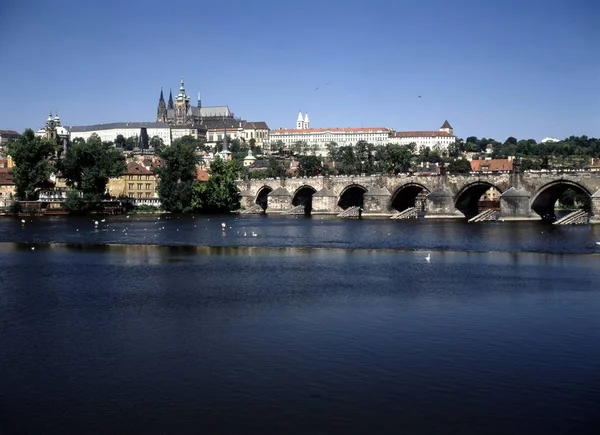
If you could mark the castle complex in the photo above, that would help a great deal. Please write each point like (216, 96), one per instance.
(218, 121)
(181, 112)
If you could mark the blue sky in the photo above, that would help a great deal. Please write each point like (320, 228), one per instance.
(529, 69)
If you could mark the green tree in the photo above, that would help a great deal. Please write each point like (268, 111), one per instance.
(394, 158)
(278, 147)
(88, 166)
(309, 166)
(75, 203)
(458, 166)
(120, 141)
(299, 147)
(350, 163)
(178, 174)
(332, 150)
(220, 193)
(130, 143)
(274, 168)
(77, 140)
(32, 166)
(156, 142)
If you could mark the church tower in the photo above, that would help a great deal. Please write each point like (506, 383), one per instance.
(161, 113)
(306, 122)
(50, 129)
(299, 122)
(182, 105)
(447, 127)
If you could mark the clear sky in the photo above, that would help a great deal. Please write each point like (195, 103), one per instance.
(526, 68)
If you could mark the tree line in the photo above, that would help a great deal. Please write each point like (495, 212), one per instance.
(87, 166)
(574, 152)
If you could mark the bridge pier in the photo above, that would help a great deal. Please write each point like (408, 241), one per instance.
(376, 200)
(324, 201)
(246, 199)
(514, 204)
(279, 200)
(595, 217)
(440, 204)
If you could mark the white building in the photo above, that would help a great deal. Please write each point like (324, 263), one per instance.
(550, 139)
(318, 138)
(439, 139)
(109, 132)
(242, 130)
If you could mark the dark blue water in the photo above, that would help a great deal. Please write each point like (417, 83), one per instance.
(311, 326)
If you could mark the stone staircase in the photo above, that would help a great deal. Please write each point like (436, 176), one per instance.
(486, 215)
(299, 209)
(350, 212)
(409, 213)
(255, 209)
(578, 217)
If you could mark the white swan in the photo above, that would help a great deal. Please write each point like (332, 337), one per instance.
(428, 258)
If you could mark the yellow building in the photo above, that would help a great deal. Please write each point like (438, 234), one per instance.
(7, 188)
(137, 183)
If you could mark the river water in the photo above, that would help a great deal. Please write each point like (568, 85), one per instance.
(312, 325)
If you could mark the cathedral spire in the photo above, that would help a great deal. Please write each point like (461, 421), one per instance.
(161, 111)
(199, 100)
(170, 106)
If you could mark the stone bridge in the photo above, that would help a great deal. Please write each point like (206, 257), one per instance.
(529, 195)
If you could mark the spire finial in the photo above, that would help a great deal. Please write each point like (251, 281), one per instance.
(182, 88)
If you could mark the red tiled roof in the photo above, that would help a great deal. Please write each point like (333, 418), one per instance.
(332, 130)
(433, 133)
(8, 133)
(202, 175)
(5, 178)
(134, 168)
(492, 165)
(596, 164)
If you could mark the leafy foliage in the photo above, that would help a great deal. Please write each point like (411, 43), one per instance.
(220, 193)
(157, 143)
(178, 174)
(75, 202)
(309, 166)
(394, 159)
(88, 166)
(31, 156)
(458, 166)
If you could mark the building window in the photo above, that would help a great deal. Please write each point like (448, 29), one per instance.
(147, 186)
(139, 194)
(130, 186)
(140, 186)
(147, 194)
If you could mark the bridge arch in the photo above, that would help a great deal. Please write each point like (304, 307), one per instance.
(303, 196)
(262, 196)
(406, 196)
(544, 200)
(467, 199)
(352, 196)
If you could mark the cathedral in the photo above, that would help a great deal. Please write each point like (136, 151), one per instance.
(181, 112)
